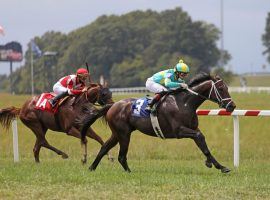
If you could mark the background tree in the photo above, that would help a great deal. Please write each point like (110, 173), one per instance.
(266, 38)
(125, 49)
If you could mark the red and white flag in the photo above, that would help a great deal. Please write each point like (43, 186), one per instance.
(2, 30)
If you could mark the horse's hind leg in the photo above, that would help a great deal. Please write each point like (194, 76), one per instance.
(36, 150)
(199, 139)
(110, 143)
(48, 146)
(42, 142)
(201, 143)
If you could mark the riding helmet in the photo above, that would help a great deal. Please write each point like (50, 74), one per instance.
(82, 71)
(181, 67)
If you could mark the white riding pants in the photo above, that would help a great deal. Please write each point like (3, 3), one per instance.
(58, 88)
(152, 86)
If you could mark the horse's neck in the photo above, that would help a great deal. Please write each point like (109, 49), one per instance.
(194, 101)
(92, 94)
(81, 100)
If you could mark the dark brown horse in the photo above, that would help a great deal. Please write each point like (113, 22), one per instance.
(176, 115)
(65, 120)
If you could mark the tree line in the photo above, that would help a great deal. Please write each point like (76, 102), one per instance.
(125, 49)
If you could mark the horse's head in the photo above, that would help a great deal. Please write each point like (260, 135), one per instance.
(105, 96)
(214, 89)
(219, 93)
(100, 94)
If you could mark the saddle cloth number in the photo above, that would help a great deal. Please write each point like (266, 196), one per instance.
(138, 106)
(43, 104)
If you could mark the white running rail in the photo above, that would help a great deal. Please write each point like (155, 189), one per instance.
(235, 115)
(231, 89)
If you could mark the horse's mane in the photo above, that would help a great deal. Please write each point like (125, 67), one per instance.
(199, 78)
(94, 85)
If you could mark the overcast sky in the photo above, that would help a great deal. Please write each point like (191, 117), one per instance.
(244, 22)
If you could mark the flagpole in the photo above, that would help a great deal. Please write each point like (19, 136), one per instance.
(32, 71)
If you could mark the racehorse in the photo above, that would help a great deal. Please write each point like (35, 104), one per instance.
(65, 120)
(176, 115)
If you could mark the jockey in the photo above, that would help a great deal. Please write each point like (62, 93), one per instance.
(166, 80)
(70, 85)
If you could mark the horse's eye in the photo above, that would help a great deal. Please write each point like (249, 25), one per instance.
(221, 88)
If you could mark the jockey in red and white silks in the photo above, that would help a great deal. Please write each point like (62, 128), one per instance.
(70, 85)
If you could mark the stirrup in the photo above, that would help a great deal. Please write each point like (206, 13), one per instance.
(148, 108)
(52, 102)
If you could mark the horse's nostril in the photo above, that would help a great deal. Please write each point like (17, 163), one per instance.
(230, 108)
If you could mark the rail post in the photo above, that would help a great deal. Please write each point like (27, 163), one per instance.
(15, 141)
(236, 140)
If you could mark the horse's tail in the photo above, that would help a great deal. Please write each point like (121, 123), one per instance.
(7, 115)
(91, 118)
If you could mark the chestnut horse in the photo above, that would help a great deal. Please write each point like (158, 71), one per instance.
(176, 115)
(65, 120)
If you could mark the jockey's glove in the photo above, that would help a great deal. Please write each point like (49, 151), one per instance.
(184, 86)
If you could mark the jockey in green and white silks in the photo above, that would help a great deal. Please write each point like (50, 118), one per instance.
(166, 80)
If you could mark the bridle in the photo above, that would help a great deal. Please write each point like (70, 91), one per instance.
(220, 100)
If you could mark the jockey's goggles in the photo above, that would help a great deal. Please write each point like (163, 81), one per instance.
(182, 73)
(82, 76)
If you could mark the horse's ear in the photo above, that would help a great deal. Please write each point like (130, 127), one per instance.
(105, 84)
(217, 77)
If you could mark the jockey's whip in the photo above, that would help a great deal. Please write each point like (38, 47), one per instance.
(89, 78)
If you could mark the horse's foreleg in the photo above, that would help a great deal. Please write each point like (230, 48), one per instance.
(110, 143)
(199, 139)
(92, 134)
(76, 133)
(122, 157)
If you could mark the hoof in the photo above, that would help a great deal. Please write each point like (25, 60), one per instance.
(225, 170)
(208, 164)
(91, 168)
(83, 161)
(64, 156)
(111, 159)
(128, 170)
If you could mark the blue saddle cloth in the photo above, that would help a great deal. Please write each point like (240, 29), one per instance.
(138, 107)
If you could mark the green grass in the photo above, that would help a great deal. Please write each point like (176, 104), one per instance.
(170, 169)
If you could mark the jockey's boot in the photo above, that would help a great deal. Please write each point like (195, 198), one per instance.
(54, 100)
(150, 106)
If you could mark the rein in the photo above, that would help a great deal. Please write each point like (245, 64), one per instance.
(86, 97)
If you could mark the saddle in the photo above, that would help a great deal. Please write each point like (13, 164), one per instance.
(139, 105)
(44, 105)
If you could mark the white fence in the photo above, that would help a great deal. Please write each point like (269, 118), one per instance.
(231, 89)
